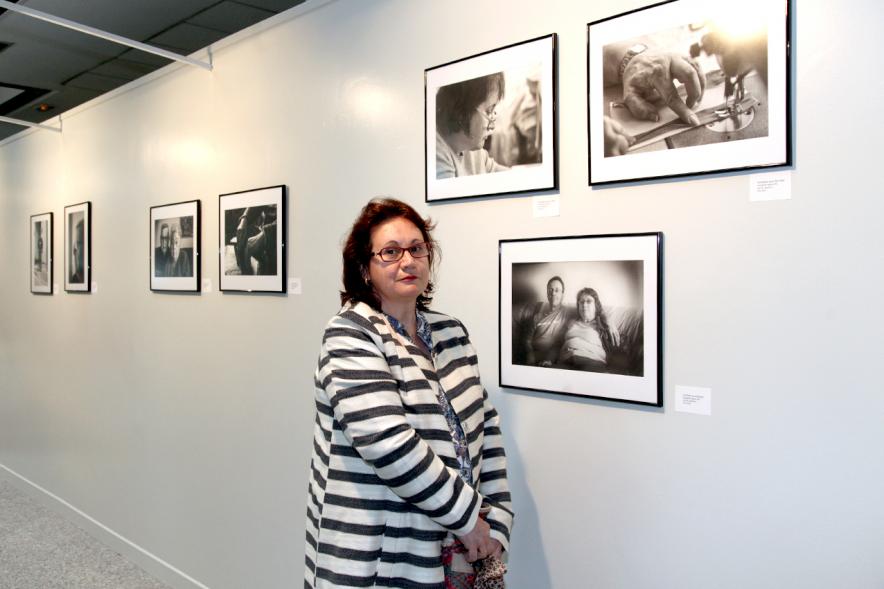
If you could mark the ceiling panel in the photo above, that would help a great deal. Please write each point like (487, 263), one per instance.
(68, 68)
(225, 16)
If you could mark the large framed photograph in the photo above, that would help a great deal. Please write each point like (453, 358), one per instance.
(175, 247)
(581, 316)
(78, 247)
(252, 231)
(41, 253)
(491, 122)
(687, 87)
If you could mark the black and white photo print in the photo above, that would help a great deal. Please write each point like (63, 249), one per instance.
(581, 316)
(252, 234)
(490, 122)
(41, 253)
(77, 247)
(175, 247)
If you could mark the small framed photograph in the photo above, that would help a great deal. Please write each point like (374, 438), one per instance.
(252, 231)
(581, 316)
(175, 247)
(78, 247)
(41, 253)
(686, 87)
(491, 122)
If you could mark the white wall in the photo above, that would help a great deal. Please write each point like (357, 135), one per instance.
(183, 423)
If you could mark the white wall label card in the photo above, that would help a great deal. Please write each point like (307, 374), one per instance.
(696, 400)
(207, 285)
(770, 186)
(545, 206)
(94, 287)
(295, 285)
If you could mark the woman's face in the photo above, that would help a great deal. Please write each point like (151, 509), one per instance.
(482, 120)
(402, 281)
(555, 290)
(586, 308)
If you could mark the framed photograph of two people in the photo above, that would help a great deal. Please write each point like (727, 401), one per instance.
(490, 123)
(687, 87)
(582, 316)
(175, 247)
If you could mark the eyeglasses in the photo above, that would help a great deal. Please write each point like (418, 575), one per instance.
(393, 253)
(489, 116)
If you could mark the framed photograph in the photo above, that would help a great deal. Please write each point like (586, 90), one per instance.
(41, 253)
(687, 87)
(491, 122)
(175, 247)
(78, 247)
(252, 231)
(581, 316)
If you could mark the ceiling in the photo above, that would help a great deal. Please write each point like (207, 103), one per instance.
(46, 69)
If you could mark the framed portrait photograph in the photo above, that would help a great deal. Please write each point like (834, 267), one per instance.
(490, 123)
(252, 231)
(78, 247)
(41, 253)
(581, 316)
(175, 247)
(686, 87)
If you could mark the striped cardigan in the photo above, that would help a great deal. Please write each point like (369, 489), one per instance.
(384, 489)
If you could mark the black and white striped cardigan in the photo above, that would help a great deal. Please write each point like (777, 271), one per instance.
(384, 489)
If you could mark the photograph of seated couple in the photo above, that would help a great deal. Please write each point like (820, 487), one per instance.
(579, 332)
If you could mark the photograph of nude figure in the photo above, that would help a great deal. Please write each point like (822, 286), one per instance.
(681, 88)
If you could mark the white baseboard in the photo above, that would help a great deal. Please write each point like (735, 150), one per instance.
(151, 563)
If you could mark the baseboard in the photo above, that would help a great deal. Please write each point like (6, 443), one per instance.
(151, 563)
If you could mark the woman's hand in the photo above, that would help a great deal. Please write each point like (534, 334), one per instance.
(479, 543)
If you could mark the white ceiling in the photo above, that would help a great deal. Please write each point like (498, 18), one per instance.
(48, 64)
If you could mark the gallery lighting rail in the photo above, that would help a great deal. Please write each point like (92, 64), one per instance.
(63, 22)
(28, 124)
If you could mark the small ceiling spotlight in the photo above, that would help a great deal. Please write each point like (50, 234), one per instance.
(43, 107)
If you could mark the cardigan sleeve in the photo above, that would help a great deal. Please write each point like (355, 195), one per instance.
(366, 403)
(493, 484)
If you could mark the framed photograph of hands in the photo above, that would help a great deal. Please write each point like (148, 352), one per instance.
(687, 87)
(582, 316)
(252, 231)
(175, 247)
(490, 122)
(41, 253)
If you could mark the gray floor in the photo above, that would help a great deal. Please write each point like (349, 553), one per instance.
(41, 550)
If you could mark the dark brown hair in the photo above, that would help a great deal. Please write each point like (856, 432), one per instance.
(357, 250)
(455, 103)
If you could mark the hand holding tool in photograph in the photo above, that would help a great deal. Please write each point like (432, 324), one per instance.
(649, 77)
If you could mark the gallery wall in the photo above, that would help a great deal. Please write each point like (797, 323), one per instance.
(177, 427)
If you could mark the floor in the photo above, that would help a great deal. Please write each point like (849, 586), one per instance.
(41, 550)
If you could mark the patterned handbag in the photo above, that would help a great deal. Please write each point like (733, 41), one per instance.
(489, 573)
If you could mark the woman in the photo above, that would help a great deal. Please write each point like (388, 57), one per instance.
(407, 448)
(546, 328)
(588, 339)
(465, 116)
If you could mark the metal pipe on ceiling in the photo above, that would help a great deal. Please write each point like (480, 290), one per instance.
(63, 22)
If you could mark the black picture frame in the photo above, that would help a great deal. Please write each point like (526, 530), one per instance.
(41, 258)
(552, 336)
(78, 247)
(264, 217)
(168, 272)
(521, 153)
(730, 131)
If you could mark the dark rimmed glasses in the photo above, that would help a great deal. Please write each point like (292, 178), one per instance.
(392, 253)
